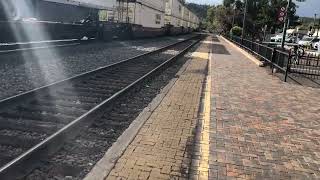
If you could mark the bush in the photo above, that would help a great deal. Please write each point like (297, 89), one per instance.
(236, 31)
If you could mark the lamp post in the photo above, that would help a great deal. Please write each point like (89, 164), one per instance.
(314, 24)
(286, 21)
(244, 18)
(285, 25)
(234, 14)
(318, 29)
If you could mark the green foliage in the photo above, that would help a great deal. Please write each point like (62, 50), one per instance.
(199, 10)
(261, 15)
(236, 31)
(228, 3)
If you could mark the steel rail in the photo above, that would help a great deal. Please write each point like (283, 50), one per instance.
(7, 101)
(18, 47)
(29, 160)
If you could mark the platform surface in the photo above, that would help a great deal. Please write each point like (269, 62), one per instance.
(260, 126)
(232, 120)
(163, 147)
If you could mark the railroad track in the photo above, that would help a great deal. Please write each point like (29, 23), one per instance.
(35, 124)
(16, 47)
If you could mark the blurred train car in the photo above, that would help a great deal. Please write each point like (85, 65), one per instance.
(38, 20)
(144, 18)
(173, 17)
(194, 22)
(179, 18)
(185, 20)
(63, 11)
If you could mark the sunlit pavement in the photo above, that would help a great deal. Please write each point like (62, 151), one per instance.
(260, 127)
(238, 122)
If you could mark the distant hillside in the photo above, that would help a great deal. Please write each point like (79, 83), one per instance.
(199, 10)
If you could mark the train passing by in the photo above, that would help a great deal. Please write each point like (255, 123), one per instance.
(100, 19)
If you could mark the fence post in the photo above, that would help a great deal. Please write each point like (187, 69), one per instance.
(252, 41)
(288, 67)
(273, 57)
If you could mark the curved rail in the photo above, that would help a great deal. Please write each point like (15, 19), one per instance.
(28, 160)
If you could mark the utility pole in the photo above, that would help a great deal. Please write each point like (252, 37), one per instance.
(234, 14)
(244, 18)
(318, 28)
(314, 24)
(285, 25)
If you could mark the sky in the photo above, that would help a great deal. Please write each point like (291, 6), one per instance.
(306, 9)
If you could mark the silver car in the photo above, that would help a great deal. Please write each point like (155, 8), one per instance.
(316, 45)
(308, 41)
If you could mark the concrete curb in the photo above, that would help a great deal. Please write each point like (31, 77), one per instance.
(248, 55)
(102, 169)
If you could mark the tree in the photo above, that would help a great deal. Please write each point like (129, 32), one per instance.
(236, 31)
(260, 14)
(199, 10)
(228, 3)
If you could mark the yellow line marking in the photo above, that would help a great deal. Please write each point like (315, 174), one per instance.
(201, 55)
(249, 56)
(207, 42)
(205, 129)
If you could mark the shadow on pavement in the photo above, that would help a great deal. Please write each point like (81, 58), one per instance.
(219, 49)
(215, 39)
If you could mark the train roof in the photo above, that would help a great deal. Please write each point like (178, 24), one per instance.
(97, 4)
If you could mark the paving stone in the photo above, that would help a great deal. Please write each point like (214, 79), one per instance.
(162, 148)
(260, 127)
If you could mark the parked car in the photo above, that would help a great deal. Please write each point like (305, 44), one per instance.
(316, 45)
(308, 41)
(276, 38)
(291, 39)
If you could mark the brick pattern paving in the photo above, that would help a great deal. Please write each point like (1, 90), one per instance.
(162, 149)
(261, 127)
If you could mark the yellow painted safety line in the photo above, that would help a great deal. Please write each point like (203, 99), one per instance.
(205, 129)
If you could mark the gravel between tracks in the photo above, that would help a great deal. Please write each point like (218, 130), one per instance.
(77, 158)
(20, 72)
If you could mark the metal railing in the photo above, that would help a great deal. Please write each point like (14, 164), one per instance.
(287, 62)
(308, 66)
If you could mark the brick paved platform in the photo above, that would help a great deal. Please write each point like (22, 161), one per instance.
(243, 124)
(163, 146)
(260, 127)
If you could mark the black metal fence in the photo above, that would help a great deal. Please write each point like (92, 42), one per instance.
(287, 62)
(308, 66)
